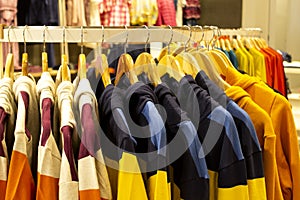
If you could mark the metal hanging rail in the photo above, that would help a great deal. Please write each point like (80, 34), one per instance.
(54, 34)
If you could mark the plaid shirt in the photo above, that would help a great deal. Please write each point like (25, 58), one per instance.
(115, 12)
(192, 10)
(166, 13)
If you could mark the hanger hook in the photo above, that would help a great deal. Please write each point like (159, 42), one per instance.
(24, 38)
(148, 37)
(102, 40)
(218, 35)
(190, 36)
(201, 28)
(172, 33)
(209, 41)
(219, 32)
(213, 36)
(99, 47)
(64, 40)
(81, 39)
(8, 36)
(126, 41)
(44, 38)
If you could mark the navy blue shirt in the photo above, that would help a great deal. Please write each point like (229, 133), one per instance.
(216, 131)
(247, 134)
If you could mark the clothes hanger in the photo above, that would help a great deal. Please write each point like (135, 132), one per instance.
(198, 43)
(206, 63)
(217, 44)
(103, 66)
(166, 50)
(247, 43)
(222, 58)
(179, 48)
(81, 60)
(186, 60)
(235, 44)
(227, 43)
(221, 54)
(24, 56)
(199, 52)
(240, 43)
(126, 65)
(255, 44)
(223, 45)
(252, 42)
(169, 65)
(212, 66)
(145, 63)
(143, 59)
(64, 60)
(258, 42)
(183, 47)
(9, 64)
(44, 53)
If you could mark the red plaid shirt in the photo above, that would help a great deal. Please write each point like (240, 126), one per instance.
(192, 10)
(115, 12)
(166, 13)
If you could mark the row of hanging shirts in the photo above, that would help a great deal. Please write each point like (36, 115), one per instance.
(244, 163)
(253, 56)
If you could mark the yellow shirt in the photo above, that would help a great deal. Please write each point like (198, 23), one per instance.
(259, 64)
(242, 60)
(250, 62)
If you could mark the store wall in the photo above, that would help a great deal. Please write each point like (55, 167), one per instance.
(278, 23)
(293, 30)
(256, 14)
(224, 14)
(279, 20)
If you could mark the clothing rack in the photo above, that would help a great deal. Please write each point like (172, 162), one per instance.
(245, 32)
(130, 34)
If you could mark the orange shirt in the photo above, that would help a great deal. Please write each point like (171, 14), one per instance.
(279, 109)
(279, 79)
(268, 63)
(276, 71)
